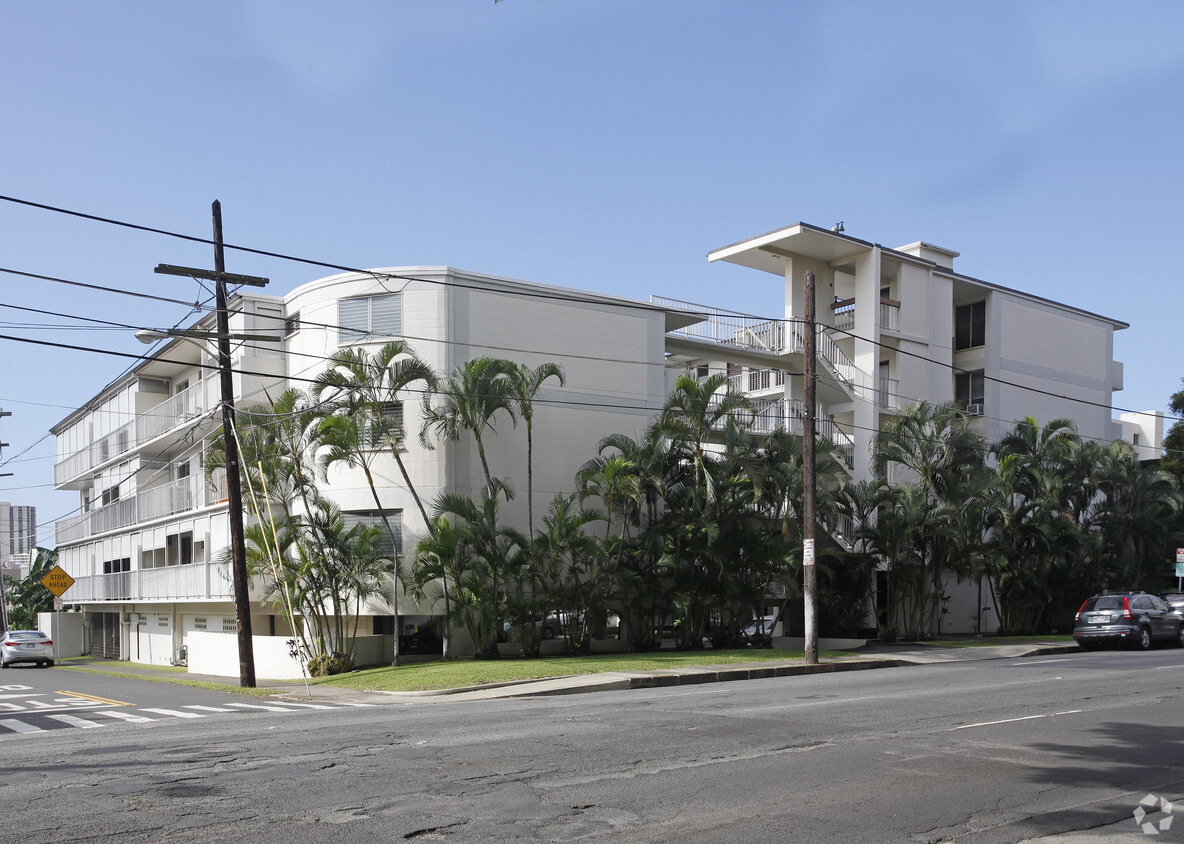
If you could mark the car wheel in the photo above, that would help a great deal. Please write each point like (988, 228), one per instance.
(3, 664)
(1180, 636)
(1143, 643)
(548, 632)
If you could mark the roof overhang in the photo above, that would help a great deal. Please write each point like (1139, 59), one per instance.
(767, 252)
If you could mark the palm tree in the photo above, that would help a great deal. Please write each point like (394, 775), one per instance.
(524, 385)
(374, 385)
(693, 413)
(470, 397)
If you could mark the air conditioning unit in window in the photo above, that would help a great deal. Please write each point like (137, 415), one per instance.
(974, 410)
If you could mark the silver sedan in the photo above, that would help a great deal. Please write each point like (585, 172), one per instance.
(25, 646)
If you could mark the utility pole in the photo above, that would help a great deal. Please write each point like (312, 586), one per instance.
(242, 598)
(809, 483)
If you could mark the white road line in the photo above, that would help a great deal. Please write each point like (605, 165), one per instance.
(264, 707)
(124, 716)
(310, 705)
(208, 708)
(20, 726)
(173, 712)
(75, 722)
(1041, 661)
(346, 703)
(1013, 720)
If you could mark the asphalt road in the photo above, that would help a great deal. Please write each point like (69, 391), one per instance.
(999, 751)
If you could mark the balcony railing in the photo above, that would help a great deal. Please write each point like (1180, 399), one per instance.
(100, 451)
(743, 331)
(844, 315)
(889, 394)
(176, 497)
(756, 380)
(790, 414)
(173, 583)
(182, 407)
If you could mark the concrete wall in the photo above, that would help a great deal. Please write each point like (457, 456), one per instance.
(66, 630)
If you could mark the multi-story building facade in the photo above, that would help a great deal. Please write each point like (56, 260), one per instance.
(18, 529)
(898, 326)
(147, 547)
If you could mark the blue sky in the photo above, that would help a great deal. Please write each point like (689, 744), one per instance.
(606, 145)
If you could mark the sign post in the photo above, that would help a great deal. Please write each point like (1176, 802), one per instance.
(1179, 567)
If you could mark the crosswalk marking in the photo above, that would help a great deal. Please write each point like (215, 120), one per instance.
(75, 722)
(44, 722)
(125, 716)
(176, 713)
(264, 707)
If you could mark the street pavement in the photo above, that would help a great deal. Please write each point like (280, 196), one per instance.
(874, 656)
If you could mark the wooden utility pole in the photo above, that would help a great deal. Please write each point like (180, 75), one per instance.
(242, 598)
(809, 483)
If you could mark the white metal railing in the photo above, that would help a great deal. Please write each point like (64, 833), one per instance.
(889, 394)
(114, 444)
(755, 380)
(181, 582)
(790, 414)
(171, 412)
(844, 316)
(166, 500)
(744, 331)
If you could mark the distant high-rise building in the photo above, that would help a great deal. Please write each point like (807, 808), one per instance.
(18, 529)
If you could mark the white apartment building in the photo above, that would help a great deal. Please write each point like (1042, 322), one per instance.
(147, 543)
(899, 325)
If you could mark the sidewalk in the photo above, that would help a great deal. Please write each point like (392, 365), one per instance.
(873, 656)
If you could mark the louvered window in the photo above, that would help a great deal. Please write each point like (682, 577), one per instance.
(365, 317)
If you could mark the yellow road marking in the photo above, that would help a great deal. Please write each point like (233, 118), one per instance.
(94, 698)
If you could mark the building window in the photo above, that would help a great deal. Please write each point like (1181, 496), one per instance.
(366, 317)
(969, 391)
(229, 624)
(1134, 439)
(970, 326)
(110, 495)
(374, 519)
(292, 324)
(199, 624)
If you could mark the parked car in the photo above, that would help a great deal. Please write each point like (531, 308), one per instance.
(759, 631)
(1176, 599)
(1131, 618)
(26, 646)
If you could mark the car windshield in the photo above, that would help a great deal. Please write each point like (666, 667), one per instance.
(25, 634)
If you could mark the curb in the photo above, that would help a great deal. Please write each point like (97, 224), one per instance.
(731, 674)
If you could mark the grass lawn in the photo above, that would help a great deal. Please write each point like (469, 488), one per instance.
(461, 673)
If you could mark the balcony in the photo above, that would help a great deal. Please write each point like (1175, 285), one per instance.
(888, 397)
(844, 314)
(114, 444)
(185, 405)
(756, 380)
(158, 502)
(195, 581)
(743, 331)
(790, 414)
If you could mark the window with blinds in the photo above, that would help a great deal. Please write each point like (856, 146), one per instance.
(373, 518)
(365, 317)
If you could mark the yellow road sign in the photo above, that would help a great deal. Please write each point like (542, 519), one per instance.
(57, 581)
